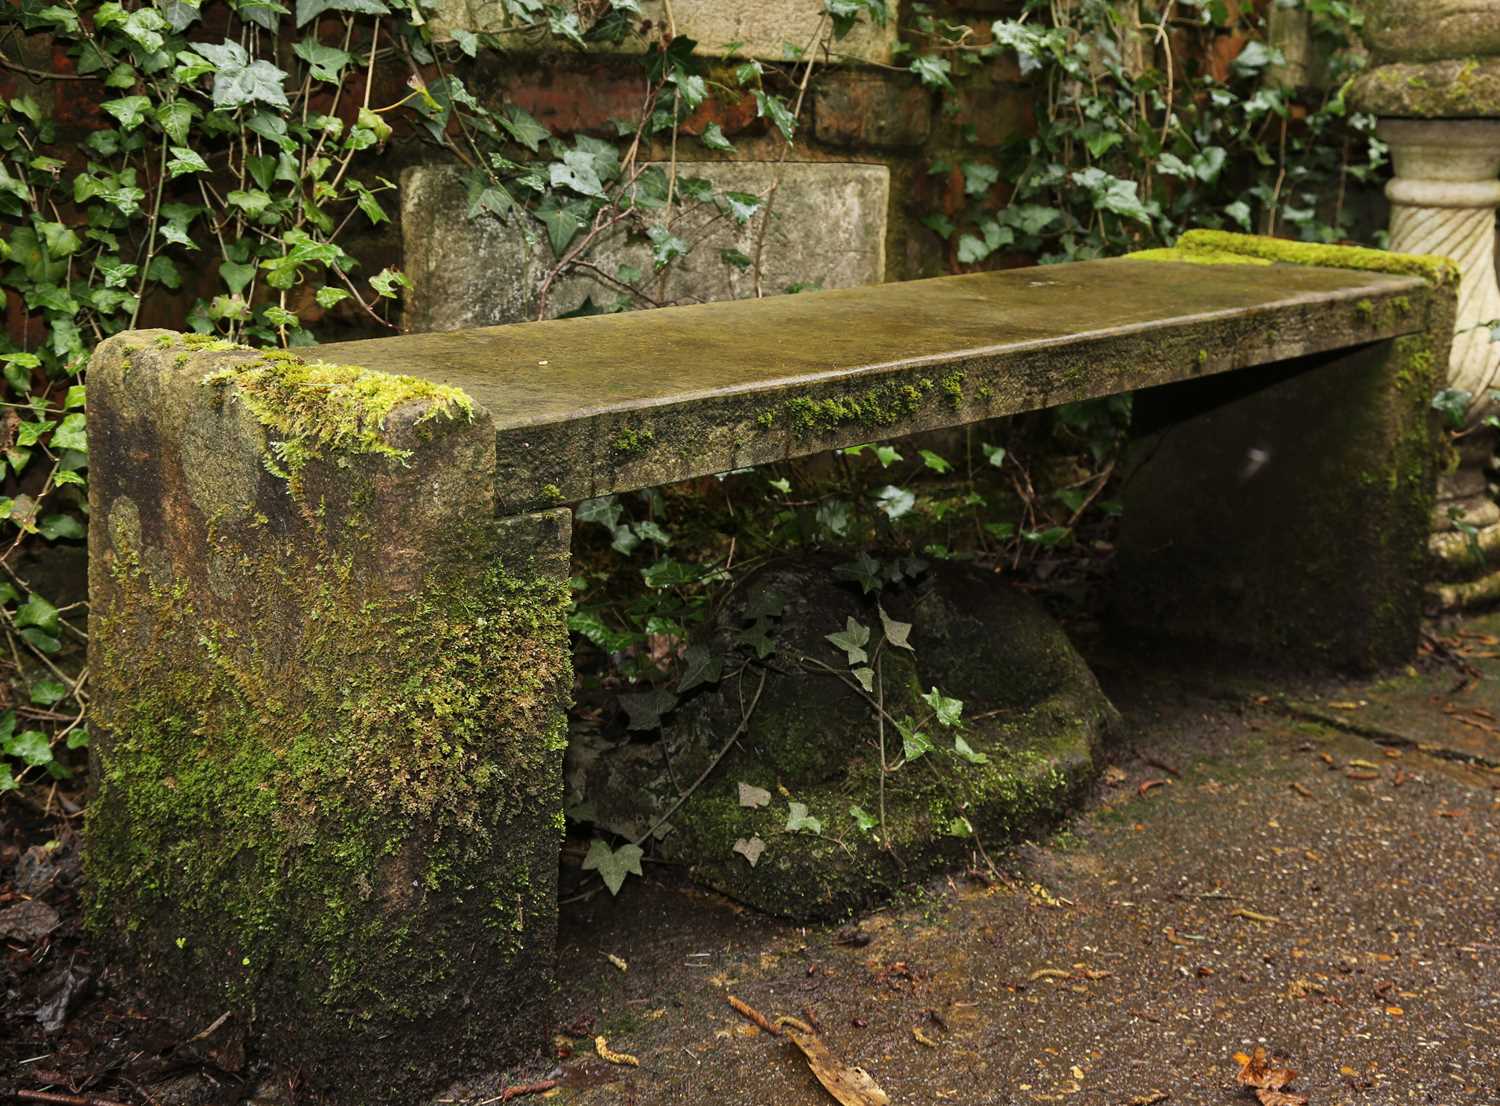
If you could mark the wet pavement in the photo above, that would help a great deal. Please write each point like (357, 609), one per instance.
(1313, 869)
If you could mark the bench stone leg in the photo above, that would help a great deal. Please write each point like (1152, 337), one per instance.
(329, 693)
(1282, 515)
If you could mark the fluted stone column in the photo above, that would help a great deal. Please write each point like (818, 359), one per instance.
(1436, 88)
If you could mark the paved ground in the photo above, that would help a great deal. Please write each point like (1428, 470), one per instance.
(1252, 872)
(1315, 869)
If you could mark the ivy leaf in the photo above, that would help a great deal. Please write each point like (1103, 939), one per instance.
(864, 570)
(324, 63)
(894, 502)
(949, 712)
(936, 463)
(962, 748)
(866, 678)
(175, 118)
(236, 276)
(895, 632)
(308, 10)
(863, 820)
(749, 849)
(753, 796)
(742, 206)
(523, 128)
(666, 247)
(713, 138)
(44, 693)
(613, 865)
(914, 743)
(1451, 403)
(645, 708)
(53, 527)
(994, 454)
(328, 296)
(30, 746)
(851, 640)
(933, 70)
(71, 433)
(699, 666)
(774, 108)
(979, 177)
(185, 160)
(129, 110)
(259, 82)
(798, 820)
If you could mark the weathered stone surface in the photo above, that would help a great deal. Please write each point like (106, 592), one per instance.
(1284, 517)
(1464, 88)
(1432, 30)
(827, 230)
(771, 30)
(812, 737)
(857, 108)
(328, 712)
(585, 407)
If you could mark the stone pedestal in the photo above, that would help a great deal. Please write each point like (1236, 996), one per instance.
(1436, 86)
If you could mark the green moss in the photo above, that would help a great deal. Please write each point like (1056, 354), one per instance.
(885, 404)
(552, 493)
(953, 387)
(1218, 244)
(312, 409)
(1365, 309)
(633, 441)
(1197, 257)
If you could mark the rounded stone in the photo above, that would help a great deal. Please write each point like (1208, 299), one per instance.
(1454, 88)
(1432, 30)
(1033, 718)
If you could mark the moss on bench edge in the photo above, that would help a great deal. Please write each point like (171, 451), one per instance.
(331, 720)
(1219, 247)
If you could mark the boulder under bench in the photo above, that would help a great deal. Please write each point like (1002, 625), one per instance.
(328, 631)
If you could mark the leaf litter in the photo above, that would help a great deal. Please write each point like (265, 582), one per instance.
(849, 1085)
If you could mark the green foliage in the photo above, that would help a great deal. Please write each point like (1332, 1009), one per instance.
(1139, 139)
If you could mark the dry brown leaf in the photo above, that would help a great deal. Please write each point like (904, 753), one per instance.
(1269, 1097)
(1256, 1071)
(1150, 1099)
(1147, 785)
(744, 1009)
(851, 1086)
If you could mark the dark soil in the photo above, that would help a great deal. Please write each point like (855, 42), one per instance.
(1314, 868)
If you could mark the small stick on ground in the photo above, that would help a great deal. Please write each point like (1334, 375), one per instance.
(752, 1014)
(521, 1089)
(66, 1099)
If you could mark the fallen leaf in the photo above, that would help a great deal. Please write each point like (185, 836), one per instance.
(851, 1086)
(617, 961)
(923, 1038)
(1149, 1099)
(27, 921)
(1300, 789)
(1114, 776)
(1269, 1097)
(750, 849)
(609, 1055)
(1256, 1071)
(1147, 785)
(1358, 762)
(1394, 1011)
(752, 796)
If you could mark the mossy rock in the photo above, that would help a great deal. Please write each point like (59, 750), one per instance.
(1033, 713)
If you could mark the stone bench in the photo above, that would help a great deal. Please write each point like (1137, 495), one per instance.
(329, 648)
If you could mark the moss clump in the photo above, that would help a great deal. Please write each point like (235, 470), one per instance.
(633, 441)
(880, 405)
(1219, 244)
(953, 388)
(314, 409)
(1197, 257)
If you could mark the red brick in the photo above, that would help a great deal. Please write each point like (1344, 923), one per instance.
(871, 109)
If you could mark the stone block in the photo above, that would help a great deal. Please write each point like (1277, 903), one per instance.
(1432, 30)
(328, 711)
(771, 30)
(855, 108)
(827, 229)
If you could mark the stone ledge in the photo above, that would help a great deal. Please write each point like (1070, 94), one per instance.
(1454, 89)
(828, 229)
(762, 29)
